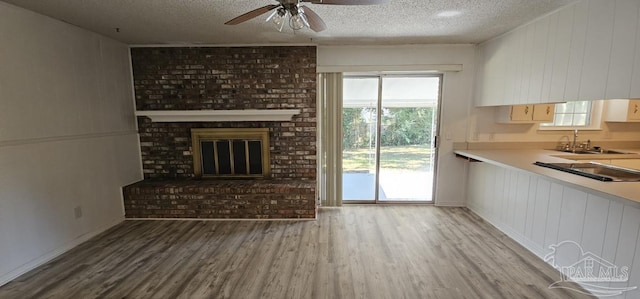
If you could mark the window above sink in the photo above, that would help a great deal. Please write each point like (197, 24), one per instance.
(582, 115)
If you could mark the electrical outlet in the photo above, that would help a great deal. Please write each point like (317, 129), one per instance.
(77, 212)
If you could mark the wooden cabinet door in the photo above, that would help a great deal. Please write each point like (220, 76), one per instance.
(633, 112)
(522, 113)
(543, 112)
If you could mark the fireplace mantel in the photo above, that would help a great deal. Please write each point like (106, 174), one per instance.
(219, 115)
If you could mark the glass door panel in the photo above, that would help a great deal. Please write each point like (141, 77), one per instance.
(408, 126)
(359, 130)
(389, 123)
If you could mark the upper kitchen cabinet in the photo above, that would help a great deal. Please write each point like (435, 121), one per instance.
(624, 52)
(491, 74)
(597, 50)
(538, 113)
(635, 76)
(538, 59)
(527, 63)
(559, 56)
(622, 110)
(589, 50)
(514, 44)
(576, 52)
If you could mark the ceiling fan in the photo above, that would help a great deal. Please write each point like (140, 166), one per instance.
(300, 16)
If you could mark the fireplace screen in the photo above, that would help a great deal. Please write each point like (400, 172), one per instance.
(231, 153)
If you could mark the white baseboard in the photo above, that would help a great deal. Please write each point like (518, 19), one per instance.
(451, 204)
(6, 278)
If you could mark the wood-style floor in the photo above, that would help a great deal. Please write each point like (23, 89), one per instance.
(357, 251)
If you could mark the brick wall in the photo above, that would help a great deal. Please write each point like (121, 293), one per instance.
(225, 78)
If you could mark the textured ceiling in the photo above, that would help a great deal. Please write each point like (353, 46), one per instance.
(202, 21)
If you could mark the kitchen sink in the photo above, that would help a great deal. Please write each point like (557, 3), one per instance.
(593, 152)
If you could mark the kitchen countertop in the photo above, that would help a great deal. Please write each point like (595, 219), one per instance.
(523, 159)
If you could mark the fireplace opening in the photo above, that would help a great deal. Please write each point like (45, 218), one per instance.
(231, 153)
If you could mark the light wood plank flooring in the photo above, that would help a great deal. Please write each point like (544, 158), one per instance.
(357, 251)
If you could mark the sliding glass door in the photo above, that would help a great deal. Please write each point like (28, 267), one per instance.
(389, 124)
(359, 141)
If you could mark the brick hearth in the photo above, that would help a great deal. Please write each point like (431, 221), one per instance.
(237, 199)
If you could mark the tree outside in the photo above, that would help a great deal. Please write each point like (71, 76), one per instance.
(405, 138)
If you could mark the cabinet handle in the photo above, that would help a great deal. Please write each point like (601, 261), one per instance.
(548, 110)
(635, 108)
(526, 110)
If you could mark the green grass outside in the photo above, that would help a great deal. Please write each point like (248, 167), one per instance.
(410, 157)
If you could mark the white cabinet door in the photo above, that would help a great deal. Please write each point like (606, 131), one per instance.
(549, 57)
(576, 55)
(480, 100)
(529, 35)
(597, 50)
(492, 74)
(498, 69)
(635, 77)
(513, 42)
(561, 54)
(623, 49)
(538, 55)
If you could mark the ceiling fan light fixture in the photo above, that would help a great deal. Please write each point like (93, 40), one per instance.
(278, 22)
(297, 22)
(277, 18)
(299, 15)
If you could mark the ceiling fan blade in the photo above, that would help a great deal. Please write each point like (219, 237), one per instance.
(315, 22)
(250, 15)
(347, 2)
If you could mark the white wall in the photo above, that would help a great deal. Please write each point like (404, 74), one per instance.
(456, 97)
(67, 137)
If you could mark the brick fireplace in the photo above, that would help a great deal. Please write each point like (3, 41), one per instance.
(224, 78)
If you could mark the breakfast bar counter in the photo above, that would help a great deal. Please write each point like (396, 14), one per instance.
(524, 160)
